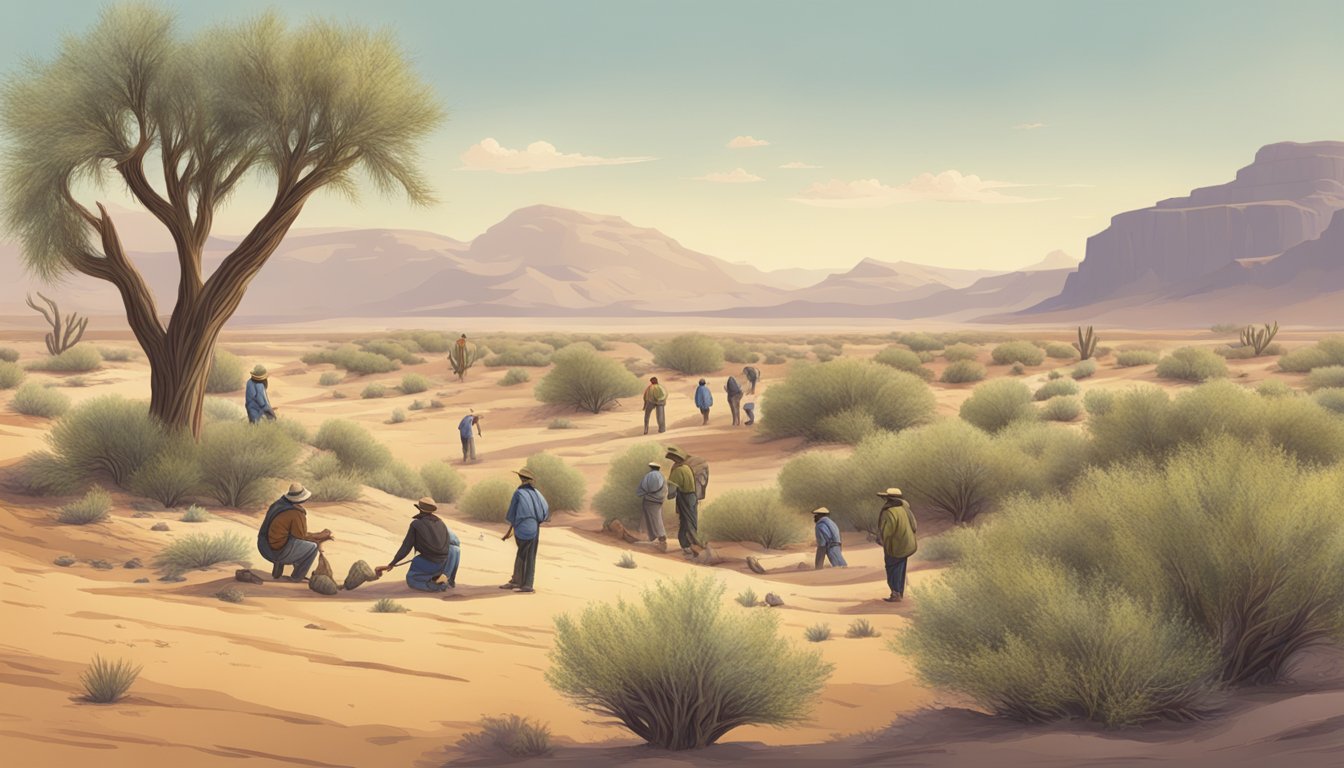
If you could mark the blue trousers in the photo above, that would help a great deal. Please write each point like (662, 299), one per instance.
(896, 574)
(423, 571)
(297, 552)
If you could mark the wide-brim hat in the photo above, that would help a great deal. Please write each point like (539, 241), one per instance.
(655, 465)
(525, 474)
(891, 493)
(677, 454)
(298, 493)
(259, 373)
(426, 505)
(821, 511)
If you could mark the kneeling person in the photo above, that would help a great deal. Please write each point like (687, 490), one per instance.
(284, 538)
(438, 551)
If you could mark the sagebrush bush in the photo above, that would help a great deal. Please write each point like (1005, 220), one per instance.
(960, 351)
(996, 404)
(585, 380)
(562, 485)
(388, 605)
(614, 659)
(1275, 388)
(1060, 351)
(920, 342)
(825, 353)
(445, 484)
(1045, 457)
(392, 350)
(747, 598)
(1084, 369)
(92, 508)
(737, 352)
(843, 400)
(34, 399)
(1023, 352)
(227, 373)
(398, 479)
(861, 628)
(1191, 364)
(42, 473)
(353, 445)
(843, 484)
(757, 515)
(1130, 358)
(10, 374)
(118, 354)
(963, 372)
(1066, 408)
(948, 468)
(818, 633)
(1328, 351)
(398, 416)
(170, 476)
(107, 435)
(1324, 377)
(9, 355)
(202, 550)
(352, 359)
(1056, 388)
(239, 462)
(948, 546)
(195, 514)
(373, 391)
(1098, 402)
(488, 500)
(692, 354)
(616, 500)
(560, 423)
(510, 734)
(329, 379)
(414, 384)
(107, 681)
(525, 354)
(903, 360)
(514, 376)
(231, 595)
(1330, 399)
(80, 358)
(331, 481)
(219, 409)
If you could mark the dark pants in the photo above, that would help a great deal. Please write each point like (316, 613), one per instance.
(525, 563)
(688, 519)
(735, 404)
(896, 574)
(468, 449)
(662, 417)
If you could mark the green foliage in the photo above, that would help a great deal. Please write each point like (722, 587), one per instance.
(861, 628)
(1330, 399)
(1053, 375)
(948, 467)
(996, 404)
(1324, 377)
(1084, 369)
(392, 350)
(1275, 388)
(514, 376)
(92, 508)
(1067, 408)
(1023, 352)
(373, 391)
(388, 605)
(398, 416)
(1045, 458)
(10, 374)
(352, 359)
(843, 400)
(1328, 351)
(920, 342)
(354, 446)
(511, 735)
(825, 353)
(9, 355)
(118, 354)
(616, 500)
(692, 354)
(959, 351)
(903, 360)
(747, 598)
(560, 423)
(329, 379)
(107, 681)
(1130, 358)
(219, 409)
(170, 476)
(562, 485)
(238, 461)
(445, 484)
(107, 435)
(195, 514)
(227, 373)
(963, 372)
(614, 659)
(948, 546)
(44, 474)
(202, 550)
(1098, 402)
(585, 380)
(414, 384)
(527, 354)
(756, 515)
(1056, 388)
(80, 358)
(399, 480)
(1224, 329)
(330, 481)
(1018, 369)
(818, 633)
(34, 399)
(488, 500)
(737, 352)
(1060, 351)
(1191, 364)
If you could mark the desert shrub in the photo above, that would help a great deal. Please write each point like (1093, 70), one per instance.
(92, 508)
(1324, 377)
(845, 485)
(1328, 351)
(920, 342)
(827, 352)
(526, 354)
(996, 404)
(239, 460)
(393, 350)
(388, 605)
(1018, 369)
(488, 500)
(562, 485)
(837, 401)
(737, 352)
(329, 480)
(1067, 408)
(80, 358)
(329, 379)
(747, 598)
(202, 550)
(398, 416)
(948, 546)
(514, 376)
(117, 354)
(691, 354)
(338, 395)
(414, 384)
(445, 484)
(1130, 358)
(757, 515)
(511, 735)
(1023, 352)
(960, 351)
(818, 633)
(627, 561)
(1191, 364)
(106, 681)
(585, 380)
(231, 595)
(861, 628)
(33, 399)
(44, 474)
(616, 500)
(614, 657)
(949, 468)
(9, 355)
(416, 405)
(353, 445)
(774, 359)
(963, 372)
(1045, 458)
(1098, 402)
(903, 360)
(170, 476)
(1060, 351)
(195, 514)
(219, 409)
(373, 391)
(432, 342)
(1330, 399)
(1056, 388)
(10, 375)
(399, 480)
(107, 435)
(352, 359)
(1226, 328)
(1274, 388)
(560, 423)
(227, 373)
(1084, 369)
(1136, 423)
(1053, 375)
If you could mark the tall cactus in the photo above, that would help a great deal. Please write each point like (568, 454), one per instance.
(65, 332)
(462, 357)
(1259, 339)
(1086, 343)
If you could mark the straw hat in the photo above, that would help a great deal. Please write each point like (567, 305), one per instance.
(821, 511)
(892, 493)
(526, 474)
(426, 504)
(676, 454)
(259, 373)
(655, 465)
(298, 493)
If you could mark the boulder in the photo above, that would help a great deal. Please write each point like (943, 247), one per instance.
(323, 585)
(101, 565)
(360, 572)
(133, 563)
(65, 561)
(247, 576)
(159, 527)
(773, 600)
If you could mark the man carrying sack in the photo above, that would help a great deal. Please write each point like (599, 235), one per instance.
(438, 551)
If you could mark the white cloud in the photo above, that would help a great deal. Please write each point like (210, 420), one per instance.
(1028, 126)
(735, 176)
(489, 155)
(796, 165)
(746, 142)
(948, 186)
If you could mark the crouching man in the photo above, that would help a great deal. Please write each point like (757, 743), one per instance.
(438, 551)
(283, 538)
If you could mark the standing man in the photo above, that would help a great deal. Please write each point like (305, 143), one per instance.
(464, 428)
(896, 530)
(438, 551)
(753, 375)
(682, 481)
(828, 540)
(703, 400)
(734, 391)
(653, 490)
(255, 398)
(655, 399)
(283, 538)
(527, 511)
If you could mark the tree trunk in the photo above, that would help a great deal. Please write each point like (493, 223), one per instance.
(177, 382)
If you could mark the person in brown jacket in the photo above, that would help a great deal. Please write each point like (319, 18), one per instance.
(284, 538)
(896, 528)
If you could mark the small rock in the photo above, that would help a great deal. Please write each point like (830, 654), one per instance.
(247, 576)
(314, 626)
(773, 600)
(101, 565)
(143, 513)
(142, 580)
(134, 562)
(65, 561)
(754, 564)
(159, 527)
(172, 577)
(231, 595)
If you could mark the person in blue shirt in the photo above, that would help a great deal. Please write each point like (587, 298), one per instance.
(828, 540)
(703, 400)
(527, 511)
(255, 400)
(464, 428)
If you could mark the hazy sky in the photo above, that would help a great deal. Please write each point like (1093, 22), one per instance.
(975, 134)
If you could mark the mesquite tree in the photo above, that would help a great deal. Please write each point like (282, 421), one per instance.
(181, 121)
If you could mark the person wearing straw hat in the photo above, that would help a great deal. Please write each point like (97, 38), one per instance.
(682, 481)
(438, 551)
(283, 538)
(527, 511)
(653, 490)
(255, 399)
(896, 528)
(828, 540)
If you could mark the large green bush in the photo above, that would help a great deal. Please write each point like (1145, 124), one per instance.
(1044, 458)
(240, 462)
(585, 380)
(1130, 358)
(445, 484)
(731, 668)
(920, 342)
(963, 372)
(844, 400)
(107, 435)
(34, 399)
(1330, 399)
(227, 373)
(353, 445)
(202, 550)
(219, 409)
(398, 479)
(352, 359)
(171, 476)
(92, 508)
(1023, 352)
(10, 374)
(757, 515)
(948, 468)
(488, 500)
(1329, 351)
(1191, 364)
(9, 355)
(996, 404)
(903, 360)
(1325, 377)
(80, 358)
(330, 481)
(1066, 408)
(616, 500)
(692, 354)
(562, 485)
(959, 351)
(527, 354)
(1056, 388)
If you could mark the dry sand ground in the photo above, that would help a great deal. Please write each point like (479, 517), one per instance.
(223, 681)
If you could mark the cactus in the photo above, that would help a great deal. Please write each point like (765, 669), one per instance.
(65, 332)
(1259, 339)
(463, 357)
(1086, 343)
